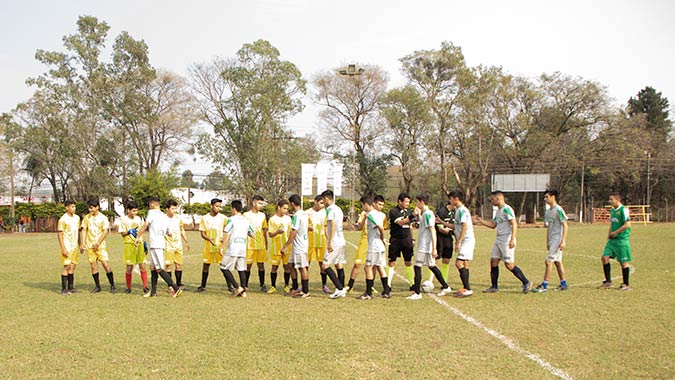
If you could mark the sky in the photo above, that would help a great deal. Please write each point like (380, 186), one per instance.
(623, 45)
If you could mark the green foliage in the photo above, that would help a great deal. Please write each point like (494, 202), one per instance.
(656, 108)
(152, 184)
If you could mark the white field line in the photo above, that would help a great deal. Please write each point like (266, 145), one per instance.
(508, 342)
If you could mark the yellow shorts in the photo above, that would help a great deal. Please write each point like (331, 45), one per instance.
(361, 253)
(316, 253)
(171, 257)
(133, 254)
(256, 256)
(100, 255)
(209, 257)
(277, 259)
(72, 257)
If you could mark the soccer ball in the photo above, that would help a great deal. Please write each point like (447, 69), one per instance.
(428, 286)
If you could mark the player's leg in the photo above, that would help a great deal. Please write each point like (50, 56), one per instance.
(328, 260)
(462, 266)
(495, 258)
(511, 266)
(369, 282)
(64, 280)
(205, 276)
(154, 277)
(144, 276)
(179, 273)
(103, 258)
(93, 263)
(624, 258)
(352, 276)
(417, 282)
(606, 268)
(127, 278)
(560, 268)
(304, 276)
(445, 288)
(287, 275)
(273, 275)
(71, 277)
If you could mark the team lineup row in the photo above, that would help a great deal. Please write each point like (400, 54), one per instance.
(239, 241)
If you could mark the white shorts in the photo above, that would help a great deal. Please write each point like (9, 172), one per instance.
(299, 260)
(233, 263)
(376, 259)
(338, 256)
(502, 252)
(465, 251)
(424, 259)
(554, 252)
(156, 257)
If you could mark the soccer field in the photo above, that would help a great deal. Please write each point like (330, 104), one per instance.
(583, 333)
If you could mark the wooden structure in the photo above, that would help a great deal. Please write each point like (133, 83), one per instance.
(637, 213)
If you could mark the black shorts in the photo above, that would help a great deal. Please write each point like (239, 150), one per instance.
(401, 247)
(444, 247)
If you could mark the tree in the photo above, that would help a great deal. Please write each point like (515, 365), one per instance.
(152, 184)
(408, 119)
(247, 100)
(187, 179)
(350, 114)
(656, 108)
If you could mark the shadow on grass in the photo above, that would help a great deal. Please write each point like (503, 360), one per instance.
(51, 287)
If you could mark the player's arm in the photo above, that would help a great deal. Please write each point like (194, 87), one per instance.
(224, 241)
(291, 236)
(486, 223)
(434, 252)
(619, 230)
(514, 230)
(183, 236)
(460, 239)
(64, 251)
(564, 236)
(331, 236)
(144, 228)
(362, 220)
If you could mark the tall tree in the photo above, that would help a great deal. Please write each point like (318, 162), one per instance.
(247, 100)
(655, 107)
(349, 116)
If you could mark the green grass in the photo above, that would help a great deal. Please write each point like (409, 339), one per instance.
(588, 333)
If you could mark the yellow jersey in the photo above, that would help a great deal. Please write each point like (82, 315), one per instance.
(127, 224)
(175, 241)
(95, 227)
(213, 226)
(317, 220)
(277, 222)
(258, 222)
(70, 226)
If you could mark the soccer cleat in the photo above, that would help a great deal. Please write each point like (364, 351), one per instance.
(176, 293)
(304, 296)
(237, 292)
(127, 291)
(325, 290)
(444, 292)
(181, 287)
(96, 290)
(606, 285)
(113, 289)
(200, 289)
(294, 292)
(73, 290)
(243, 295)
(150, 294)
(491, 289)
(562, 287)
(386, 295)
(146, 290)
(338, 293)
(462, 293)
(414, 296)
(271, 290)
(365, 296)
(624, 287)
(287, 289)
(263, 288)
(65, 292)
(540, 289)
(412, 288)
(349, 290)
(526, 287)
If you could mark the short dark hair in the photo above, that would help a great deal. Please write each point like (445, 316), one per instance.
(318, 197)
(131, 205)
(616, 195)
(423, 197)
(295, 199)
(378, 198)
(171, 202)
(497, 192)
(237, 205)
(457, 194)
(403, 196)
(93, 202)
(153, 200)
(69, 202)
(552, 192)
(216, 200)
(281, 203)
(328, 194)
(258, 198)
(366, 199)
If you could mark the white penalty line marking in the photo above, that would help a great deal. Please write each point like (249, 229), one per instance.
(502, 338)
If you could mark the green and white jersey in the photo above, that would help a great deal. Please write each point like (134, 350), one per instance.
(554, 218)
(334, 213)
(373, 220)
(300, 223)
(424, 243)
(503, 219)
(239, 229)
(618, 217)
(462, 220)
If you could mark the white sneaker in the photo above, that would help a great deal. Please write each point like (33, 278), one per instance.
(338, 293)
(414, 296)
(444, 292)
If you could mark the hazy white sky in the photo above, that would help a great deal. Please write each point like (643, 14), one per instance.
(624, 45)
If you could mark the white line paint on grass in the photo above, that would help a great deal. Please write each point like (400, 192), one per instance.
(508, 342)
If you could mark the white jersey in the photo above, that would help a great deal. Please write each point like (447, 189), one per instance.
(503, 219)
(373, 220)
(158, 224)
(334, 213)
(424, 242)
(555, 217)
(299, 223)
(462, 221)
(238, 228)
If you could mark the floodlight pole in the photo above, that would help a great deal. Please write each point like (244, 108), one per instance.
(351, 71)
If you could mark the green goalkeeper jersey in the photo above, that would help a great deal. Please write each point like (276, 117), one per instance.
(618, 217)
